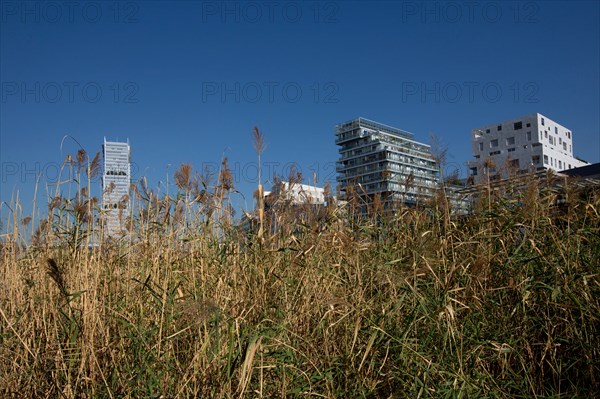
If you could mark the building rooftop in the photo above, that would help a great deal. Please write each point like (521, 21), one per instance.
(360, 121)
(590, 171)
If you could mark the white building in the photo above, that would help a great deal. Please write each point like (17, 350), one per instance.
(298, 194)
(116, 180)
(528, 143)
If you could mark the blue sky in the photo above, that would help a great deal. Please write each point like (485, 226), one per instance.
(186, 81)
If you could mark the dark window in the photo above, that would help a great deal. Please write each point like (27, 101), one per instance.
(487, 130)
(543, 122)
(529, 125)
(511, 150)
(518, 125)
(499, 127)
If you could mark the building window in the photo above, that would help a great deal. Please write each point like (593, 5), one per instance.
(569, 134)
(494, 153)
(528, 136)
(570, 166)
(545, 159)
(535, 159)
(511, 150)
(528, 125)
(487, 130)
(499, 127)
(556, 129)
(543, 122)
(510, 141)
(518, 125)
(480, 146)
(560, 164)
(546, 135)
(473, 171)
(494, 143)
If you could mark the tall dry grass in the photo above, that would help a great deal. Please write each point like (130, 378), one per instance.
(504, 303)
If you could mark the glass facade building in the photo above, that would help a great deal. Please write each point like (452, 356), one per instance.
(376, 159)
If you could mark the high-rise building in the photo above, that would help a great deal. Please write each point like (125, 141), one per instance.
(529, 143)
(380, 160)
(116, 180)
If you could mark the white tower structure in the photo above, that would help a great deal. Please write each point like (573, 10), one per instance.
(116, 180)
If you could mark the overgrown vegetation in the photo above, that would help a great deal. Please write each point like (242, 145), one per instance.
(503, 303)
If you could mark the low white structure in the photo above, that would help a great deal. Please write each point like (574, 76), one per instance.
(529, 143)
(299, 194)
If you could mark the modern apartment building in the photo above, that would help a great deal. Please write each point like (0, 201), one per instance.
(116, 180)
(376, 159)
(519, 145)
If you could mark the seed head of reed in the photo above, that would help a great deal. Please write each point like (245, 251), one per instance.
(183, 177)
(258, 143)
(81, 157)
(225, 177)
(95, 166)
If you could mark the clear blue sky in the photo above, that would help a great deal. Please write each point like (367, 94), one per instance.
(186, 81)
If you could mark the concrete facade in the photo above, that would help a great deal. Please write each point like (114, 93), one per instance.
(529, 143)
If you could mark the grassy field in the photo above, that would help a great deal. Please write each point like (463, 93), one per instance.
(504, 303)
